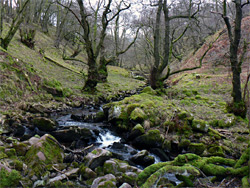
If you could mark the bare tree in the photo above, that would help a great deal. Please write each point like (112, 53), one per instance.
(162, 61)
(234, 35)
(95, 49)
(16, 22)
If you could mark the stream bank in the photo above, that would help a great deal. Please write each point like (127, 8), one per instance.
(92, 148)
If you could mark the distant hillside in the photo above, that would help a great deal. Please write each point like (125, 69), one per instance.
(216, 60)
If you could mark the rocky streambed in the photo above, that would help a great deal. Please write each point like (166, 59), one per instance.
(116, 145)
(73, 148)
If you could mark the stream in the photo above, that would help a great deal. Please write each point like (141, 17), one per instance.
(103, 136)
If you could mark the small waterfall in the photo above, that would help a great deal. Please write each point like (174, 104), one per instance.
(106, 139)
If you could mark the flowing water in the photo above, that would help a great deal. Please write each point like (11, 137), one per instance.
(106, 138)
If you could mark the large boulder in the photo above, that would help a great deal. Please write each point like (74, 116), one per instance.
(70, 134)
(138, 130)
(44, 151)
(138, 115)
(96, 158)
(108, 180)
(152, 139)
(143, 158)
(116, 167)
(45, 124)
(200, 125)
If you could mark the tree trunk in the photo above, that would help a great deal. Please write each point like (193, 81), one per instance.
(237, 97)
(1, 18)
(93, 76)
(154, 74)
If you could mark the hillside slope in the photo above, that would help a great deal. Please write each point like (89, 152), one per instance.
(216, 60)
(41, 75)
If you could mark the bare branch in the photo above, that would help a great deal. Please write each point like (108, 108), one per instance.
(246, 3)
(126, 49)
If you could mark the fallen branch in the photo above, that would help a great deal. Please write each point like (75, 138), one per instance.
(59, 64)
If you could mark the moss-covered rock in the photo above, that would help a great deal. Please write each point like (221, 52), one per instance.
(44, 152)
(44, 124)
(86, 172)
(184, 143)
(108, 180)
(197, 148)
(243, 159)
(186, 170)
(245, 182)
(143, 158)
(9, 179)
(148, 171)
(152, 139)
(149, 90)
(96, 158)
(215, 150)
(200, 125)
(138, 130)
(138, 115)
(21, 148)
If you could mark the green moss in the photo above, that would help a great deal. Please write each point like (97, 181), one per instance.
(184, 143)
(139, 127)
(245, 182)
(11, 152)
(200, 125)
(152, 138)
(221, 160)
(215, 170)
(36, 165)
(94, 152)
(185, 158)
(197, 148)
(3, 155)
(138, 115)
(110, 184)
(149, 90)
(243, 159)
(20, 148)
(154, 178)
(131, 107)
(9, 179)
(18, 165)
(144, 175)
(183, 115)
(216, 151)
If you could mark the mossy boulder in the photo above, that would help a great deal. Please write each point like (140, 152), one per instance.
(21, 148)
(138, 115)
(138, 130)
(73, 133)
(2, 153)
(9, 178)
(200, 125)
(152, 139)
(149, 90)
(96, 158)
(122, 170)
(197, 148)
(44, 124)
(116, 167)
(108, 180)
(86, 172)
(187, 171)
(143, 158)
(215, 150)
(184, 143)
(44, 152)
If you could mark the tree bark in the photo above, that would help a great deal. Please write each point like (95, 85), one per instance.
(237, 96)
(154, 74)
